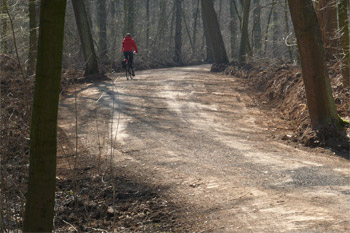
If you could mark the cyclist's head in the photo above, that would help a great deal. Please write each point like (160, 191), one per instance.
(128, 35)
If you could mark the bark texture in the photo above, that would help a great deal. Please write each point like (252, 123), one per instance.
(244, 37)
(320, 102)
(327, 18)
(214, 32)
(178, 31)
(344, 41)
(87, 44)
(40, 203)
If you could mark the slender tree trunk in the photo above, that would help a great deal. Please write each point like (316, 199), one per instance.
(327, 18)
(320, 102)
(114, 5)
(162, 22)
(214, 32)
(40, 203)
(195, 23)
(268, 25)
(287, 28)
(275, 46)
(257, 26)
(244, 37)
(32, 38)
(172, 25)
(81, 18)
(129, 16)
(188, 30)
(178, 32)
(344, 41)
(102, 29)
(126, 13)
(233, 28)
(4, 26)
(147, 24)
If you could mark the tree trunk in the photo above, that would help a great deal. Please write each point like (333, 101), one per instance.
(287, 28)
(40, 203)
(114, 45)
(257, 26)
(233, 28)
(129, 16)
(275, 23)
(244, 37)
(208, 44)
(178, 32)
(32, 38)
(188, 30)
(327, 18)
(320, 102)
(344, 41)
(4, 26)
(102, 29)
(147, 25)
(195, 23)
(162, 22)
(91, 64)
(268, 25)
(214, 32)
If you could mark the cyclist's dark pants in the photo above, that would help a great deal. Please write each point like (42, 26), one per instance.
(130, 57)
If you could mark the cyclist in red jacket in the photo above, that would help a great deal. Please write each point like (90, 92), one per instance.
(128, 47)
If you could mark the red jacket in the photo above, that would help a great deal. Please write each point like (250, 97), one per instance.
(129, 45)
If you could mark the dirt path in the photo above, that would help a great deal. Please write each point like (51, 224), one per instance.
(200, 139)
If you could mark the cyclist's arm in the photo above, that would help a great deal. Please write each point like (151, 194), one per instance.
(135, 47)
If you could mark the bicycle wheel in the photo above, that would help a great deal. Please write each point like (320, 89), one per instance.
(130, 74)
(127, 71)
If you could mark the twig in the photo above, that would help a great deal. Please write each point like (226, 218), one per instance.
(76, 150)
(14, 184)
(286, 41)
(76, 230)
(15, 44)
(97, 229)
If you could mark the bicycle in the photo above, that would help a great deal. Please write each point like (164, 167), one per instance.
(128, 70)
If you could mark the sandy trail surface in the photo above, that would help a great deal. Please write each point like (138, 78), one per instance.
(201, 139)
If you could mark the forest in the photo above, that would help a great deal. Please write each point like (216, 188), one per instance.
(236, 119)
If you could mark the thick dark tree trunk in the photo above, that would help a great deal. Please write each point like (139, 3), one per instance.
(207, 44)
(320, 102)
(178, 32)
(40, 203)
(81, 18)
(214, 32)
